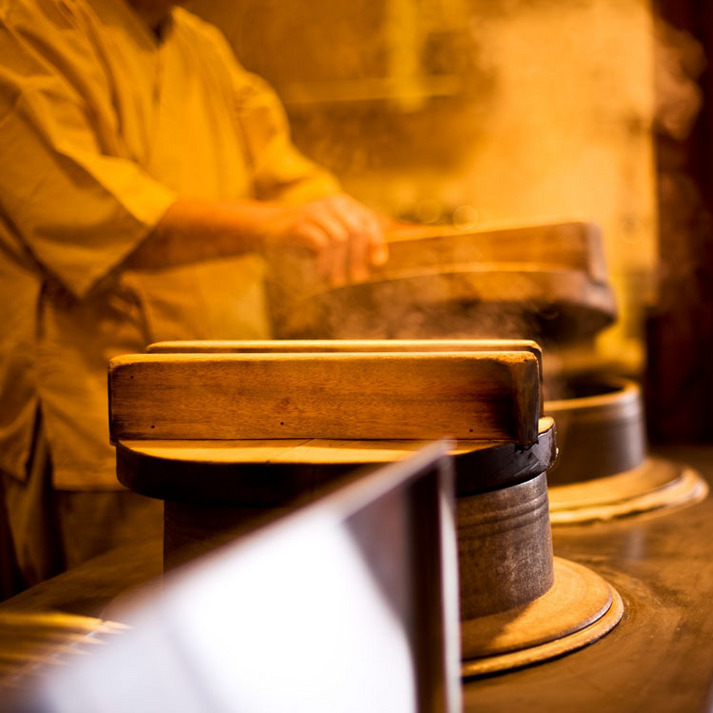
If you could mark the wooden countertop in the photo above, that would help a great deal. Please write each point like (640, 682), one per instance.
(659, 659)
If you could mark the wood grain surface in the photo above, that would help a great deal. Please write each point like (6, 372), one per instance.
(348, 345)
(574, 245)
(344, 345)
(486, 395)
(274, 471)
(568, 245)
(434, 273)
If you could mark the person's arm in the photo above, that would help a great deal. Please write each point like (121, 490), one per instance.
(84, 208)
(296, 203)
(345, 236)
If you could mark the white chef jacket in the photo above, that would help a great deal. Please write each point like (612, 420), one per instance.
(102, 127)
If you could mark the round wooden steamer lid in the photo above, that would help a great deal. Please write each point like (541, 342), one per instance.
(273, 472)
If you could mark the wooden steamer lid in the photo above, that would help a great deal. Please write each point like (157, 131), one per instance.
(545, 282)
(265, 424)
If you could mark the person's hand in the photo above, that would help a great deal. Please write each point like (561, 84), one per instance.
(345, 236)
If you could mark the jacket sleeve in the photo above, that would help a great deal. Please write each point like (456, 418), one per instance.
(68, 189)
(280, 170)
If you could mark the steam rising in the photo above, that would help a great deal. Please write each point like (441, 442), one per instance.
(520, 111)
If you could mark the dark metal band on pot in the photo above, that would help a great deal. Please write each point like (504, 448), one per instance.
(505, 548)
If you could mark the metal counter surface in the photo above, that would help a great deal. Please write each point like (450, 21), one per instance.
(660, 657)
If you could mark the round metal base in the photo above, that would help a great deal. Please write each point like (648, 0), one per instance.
(656, 485)
(579, 609)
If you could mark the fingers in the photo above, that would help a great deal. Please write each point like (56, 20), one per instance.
(353, 254)
(364, 247)
(335, 256)
(378, 247)
(346, 237)
(312, 236)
